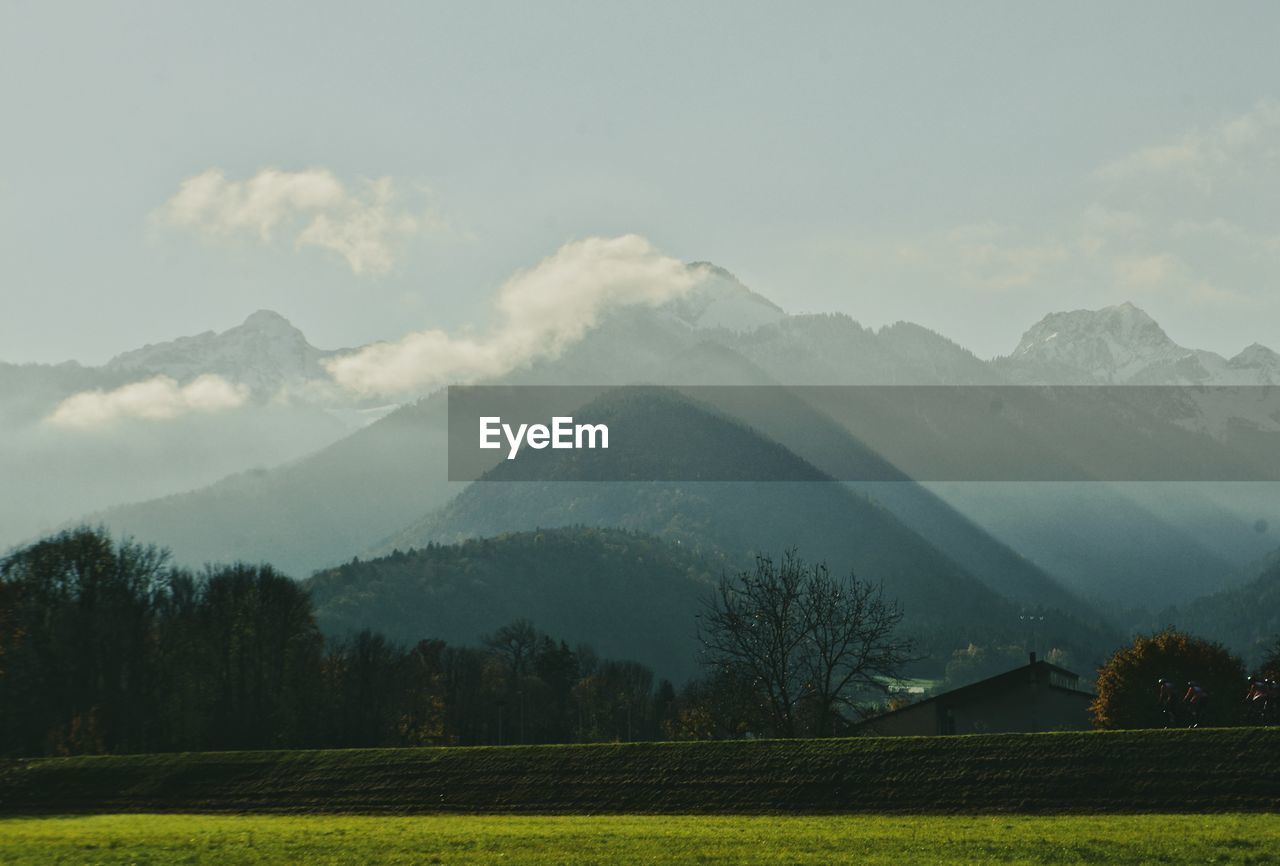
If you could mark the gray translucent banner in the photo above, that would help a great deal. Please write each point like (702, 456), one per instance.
(864, 433)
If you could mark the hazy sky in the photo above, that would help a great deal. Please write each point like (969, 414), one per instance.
(968, 166)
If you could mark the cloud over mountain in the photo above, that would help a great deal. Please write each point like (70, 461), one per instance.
(363, 223)
(159, 398)
(541, 311)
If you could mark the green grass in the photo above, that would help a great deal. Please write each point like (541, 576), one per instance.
(477, 839)
(1223, 770)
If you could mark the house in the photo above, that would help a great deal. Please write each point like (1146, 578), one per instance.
(1036, 697)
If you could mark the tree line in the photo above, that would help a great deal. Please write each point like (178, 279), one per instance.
(106, 647)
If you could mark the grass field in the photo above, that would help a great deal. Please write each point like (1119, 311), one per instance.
(477, 839)
(1224, 770)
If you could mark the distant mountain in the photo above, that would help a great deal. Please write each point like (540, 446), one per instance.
(341, 501)
(629, 595)
(266, 352)
(1246, 618)
(345, 499)
(735, 519)
(787, 417)
(286, 497)
(720, 302)
(1101, 545)
(54, 475)
(638, 345)
(1122, 345)
(834, 349)
(1256, 365)
(29, 392)
(312, 512)
(1109, 542)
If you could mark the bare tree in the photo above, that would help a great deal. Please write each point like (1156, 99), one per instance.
(754, 629)
(809, 645)
(853, 647)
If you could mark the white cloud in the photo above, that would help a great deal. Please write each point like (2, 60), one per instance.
(541, 311)
(160, 398)
(1189, 154)
(1189, 220)
(1198, 155)
(362, 224)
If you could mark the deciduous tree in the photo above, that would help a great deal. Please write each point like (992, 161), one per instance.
(1127, 684)
(810, 646)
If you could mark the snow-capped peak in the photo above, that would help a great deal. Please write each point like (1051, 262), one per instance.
(1111, 345)
(1257, 356)
(266, 352)
(1123, 345)
(720, 300)
(269, 321)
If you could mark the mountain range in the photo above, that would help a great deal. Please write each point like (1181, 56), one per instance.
(306, 477)
(1122, 345)
(726, 522)
(265, 352)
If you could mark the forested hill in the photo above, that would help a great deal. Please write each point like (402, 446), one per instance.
(824, 519)
(1245, 618)
(628, 595)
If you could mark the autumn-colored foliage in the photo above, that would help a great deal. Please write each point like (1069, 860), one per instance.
(1127, 683)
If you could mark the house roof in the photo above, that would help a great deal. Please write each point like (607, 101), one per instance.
(990, 683)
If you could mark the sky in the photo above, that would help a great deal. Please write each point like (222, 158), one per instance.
(370, 170)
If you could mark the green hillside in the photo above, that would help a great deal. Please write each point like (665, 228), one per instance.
(1211, 770)
(629, 595)
(826, 520)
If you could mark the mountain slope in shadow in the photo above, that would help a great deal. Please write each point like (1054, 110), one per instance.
(735, 519)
